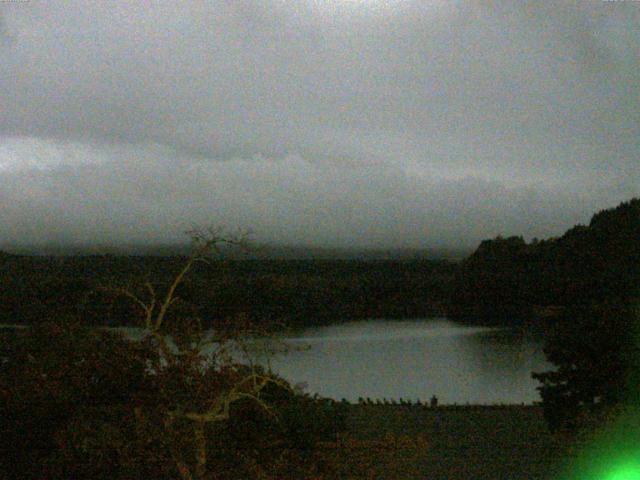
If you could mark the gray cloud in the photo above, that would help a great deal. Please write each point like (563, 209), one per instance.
(335, 122)
(137, 194)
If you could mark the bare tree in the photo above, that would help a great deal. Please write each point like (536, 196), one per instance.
(198, 375)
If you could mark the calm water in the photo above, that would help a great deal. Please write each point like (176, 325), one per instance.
(415, 359)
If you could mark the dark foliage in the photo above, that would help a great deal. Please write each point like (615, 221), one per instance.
(297, 292)
(76, 402)
(580, 291)
(48, 375)
(510, 282)
(596, 351)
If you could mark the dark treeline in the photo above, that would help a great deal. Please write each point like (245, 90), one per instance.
(294, 292)
(582, 292)
(509, 281)
(505, 281)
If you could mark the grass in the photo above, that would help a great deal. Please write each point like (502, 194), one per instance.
(464, 442)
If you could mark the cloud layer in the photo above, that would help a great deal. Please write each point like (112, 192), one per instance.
(364, 123)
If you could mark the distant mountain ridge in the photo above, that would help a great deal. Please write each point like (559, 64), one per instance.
(259, 251)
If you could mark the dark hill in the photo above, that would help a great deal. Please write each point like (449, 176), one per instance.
(509, 281)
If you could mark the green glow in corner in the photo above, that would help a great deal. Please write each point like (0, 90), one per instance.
(613, 453)
(628, 471)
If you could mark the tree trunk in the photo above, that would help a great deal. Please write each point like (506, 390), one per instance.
(201, 450)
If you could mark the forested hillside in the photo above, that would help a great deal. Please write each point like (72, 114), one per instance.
(295, 292)
(507, 280)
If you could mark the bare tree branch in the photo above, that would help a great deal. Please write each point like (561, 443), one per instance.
(190, 357)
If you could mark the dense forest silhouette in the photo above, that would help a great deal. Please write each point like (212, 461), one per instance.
(510, 281)
(506, 281)
(294, 292)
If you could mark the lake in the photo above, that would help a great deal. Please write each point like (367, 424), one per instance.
(415, 359)
(412, 359)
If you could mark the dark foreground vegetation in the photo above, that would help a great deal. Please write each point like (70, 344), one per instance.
(582, 292)
(84, 404)
(81, 404)
(464, 442)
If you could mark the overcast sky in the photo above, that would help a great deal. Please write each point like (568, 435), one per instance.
(366, 123)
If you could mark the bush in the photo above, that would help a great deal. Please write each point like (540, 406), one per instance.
(49, 374)
(81, 403)
(595, 349)
(175, 404)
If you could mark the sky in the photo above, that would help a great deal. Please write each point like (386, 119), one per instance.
(335, 123)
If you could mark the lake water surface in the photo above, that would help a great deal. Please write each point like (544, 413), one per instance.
(415, 359)
(412, 359)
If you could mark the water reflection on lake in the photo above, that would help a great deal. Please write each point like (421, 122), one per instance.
(410, 359)
(415, 359)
